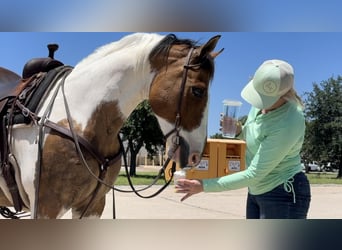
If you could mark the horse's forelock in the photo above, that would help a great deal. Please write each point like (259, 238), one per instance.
(163, 47)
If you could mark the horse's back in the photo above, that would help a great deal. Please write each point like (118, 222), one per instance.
(8, 81)
(7, 76)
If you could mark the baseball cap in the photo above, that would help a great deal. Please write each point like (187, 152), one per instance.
(271, 80)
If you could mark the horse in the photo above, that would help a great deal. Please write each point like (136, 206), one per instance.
(7, 77)
(91, 103)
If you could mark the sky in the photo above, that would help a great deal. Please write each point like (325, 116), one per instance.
(180, 15)
(315, 57)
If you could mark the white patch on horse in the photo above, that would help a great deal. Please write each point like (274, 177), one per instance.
(25, 150)
(128, 79)
(101, 91)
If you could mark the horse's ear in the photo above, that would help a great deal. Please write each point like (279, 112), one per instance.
(209, 47)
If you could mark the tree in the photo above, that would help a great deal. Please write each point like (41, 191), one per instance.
(142, 129)
(323, 114)
(217, 136)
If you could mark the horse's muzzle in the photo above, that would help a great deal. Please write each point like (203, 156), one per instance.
(180, 153)
(194, 159)
(186, 158)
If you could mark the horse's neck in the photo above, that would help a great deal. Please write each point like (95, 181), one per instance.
(119, 72)
(126, 86)
(99, 102)
(90, 91)
(104, 89)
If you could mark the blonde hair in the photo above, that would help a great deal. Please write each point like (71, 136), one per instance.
(292, 96)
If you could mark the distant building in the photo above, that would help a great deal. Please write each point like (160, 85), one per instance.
(143, 159)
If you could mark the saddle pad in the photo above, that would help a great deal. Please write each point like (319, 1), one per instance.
(38, 93)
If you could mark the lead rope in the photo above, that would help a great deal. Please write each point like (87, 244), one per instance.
(288, 186)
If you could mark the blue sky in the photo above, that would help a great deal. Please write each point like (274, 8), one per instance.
(315, 56)
(153, 15)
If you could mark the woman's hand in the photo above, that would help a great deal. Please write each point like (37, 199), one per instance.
(188, 187)
(238, 124)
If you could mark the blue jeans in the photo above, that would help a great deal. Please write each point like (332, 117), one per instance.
(286, 201)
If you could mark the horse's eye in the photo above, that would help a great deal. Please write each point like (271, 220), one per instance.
(198, 92)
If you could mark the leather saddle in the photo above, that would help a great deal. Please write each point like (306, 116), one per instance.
(10, 80)
(11, 87)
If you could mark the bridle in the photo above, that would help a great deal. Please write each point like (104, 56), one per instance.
(177, 140)
(186, 67)
(177, 126)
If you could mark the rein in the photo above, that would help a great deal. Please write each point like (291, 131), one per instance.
(104, 162)
(177, 140)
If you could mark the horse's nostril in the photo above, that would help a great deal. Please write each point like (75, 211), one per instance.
(195, 159)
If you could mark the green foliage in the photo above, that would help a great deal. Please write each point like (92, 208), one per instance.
(145, 178)
(323, 113)
(217, 136)
(323, 178)
(142, 129)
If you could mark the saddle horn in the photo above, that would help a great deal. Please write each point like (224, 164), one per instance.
(37, 65)
(52, 49)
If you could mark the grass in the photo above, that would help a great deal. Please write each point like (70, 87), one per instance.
(143, 178)
(146, 178)
(323, 178)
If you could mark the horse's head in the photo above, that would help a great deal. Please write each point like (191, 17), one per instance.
(179, 94)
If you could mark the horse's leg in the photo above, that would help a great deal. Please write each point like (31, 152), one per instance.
(94, 211)
(3, 200)
(50, 207)
(97, 206)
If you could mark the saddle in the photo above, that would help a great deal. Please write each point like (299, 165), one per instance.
(19, 99)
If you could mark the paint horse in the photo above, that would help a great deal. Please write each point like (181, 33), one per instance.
(90, 103)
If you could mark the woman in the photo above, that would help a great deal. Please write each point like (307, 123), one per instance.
(274, 134)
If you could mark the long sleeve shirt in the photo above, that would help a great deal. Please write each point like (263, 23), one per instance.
(274, 141)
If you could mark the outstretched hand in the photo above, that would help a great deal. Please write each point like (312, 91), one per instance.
(188, 187)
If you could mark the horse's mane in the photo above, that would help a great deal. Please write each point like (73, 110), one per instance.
(163, 48)
(153, 44)
(128, 43)
(165, 44)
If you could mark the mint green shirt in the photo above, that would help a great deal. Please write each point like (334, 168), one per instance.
(274, 141)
